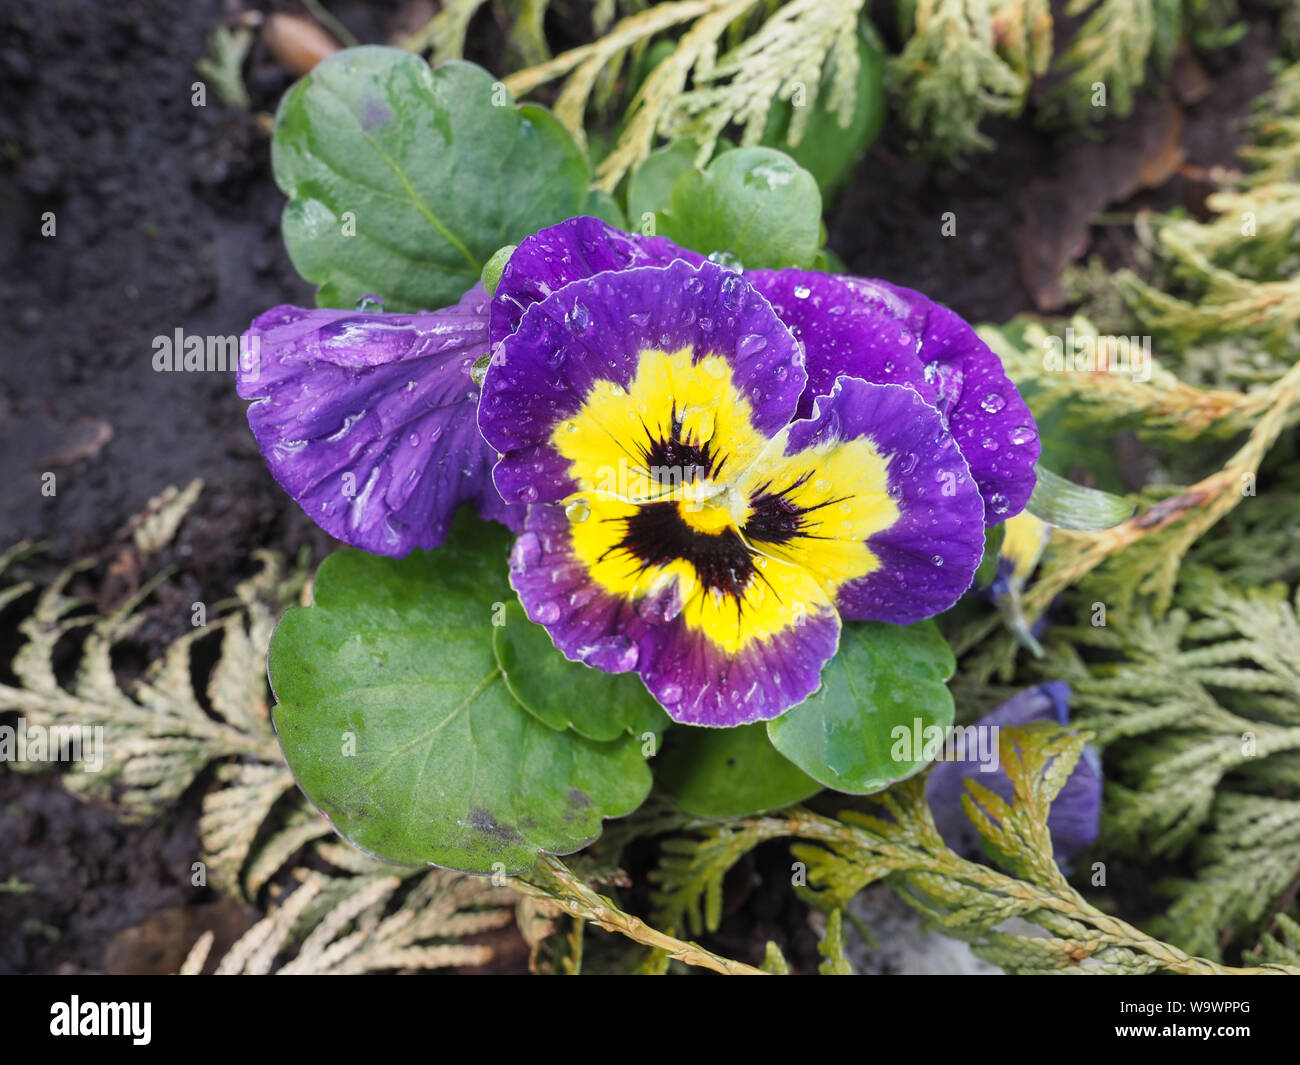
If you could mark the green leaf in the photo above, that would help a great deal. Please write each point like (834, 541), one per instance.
(564, 694)
(729, 772)
(885, 677)
(650, 188)
(1067, 505)
(397, 721)
(402, 181)
(756, 203)
(826, 150)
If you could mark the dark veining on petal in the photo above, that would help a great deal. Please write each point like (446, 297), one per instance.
(774, 519)
(657, 534)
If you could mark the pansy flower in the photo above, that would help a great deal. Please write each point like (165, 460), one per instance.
(719, 467)
(1074, 819)
(716, 468)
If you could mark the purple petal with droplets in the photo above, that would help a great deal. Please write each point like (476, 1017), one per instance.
(881, 333)
(369, 420)
(929, 555)
(570, 251)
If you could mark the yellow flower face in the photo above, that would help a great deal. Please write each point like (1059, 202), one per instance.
(681, 500)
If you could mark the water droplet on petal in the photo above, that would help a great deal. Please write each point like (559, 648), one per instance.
(546, 614)
(370, 302)
(578, 511)
(527, 494)
(802, 292)
(732, 289)
(670, 694)
(989, 444)
(992, 403)
(1023, 434)
(999, 503)
(578, 319)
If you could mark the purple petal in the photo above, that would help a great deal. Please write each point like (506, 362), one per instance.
(699, 674)
(887, 514)
(570, 251)
(885, 334)
(848, 327)
(593, 340)
(1075, 815)
(368, 420)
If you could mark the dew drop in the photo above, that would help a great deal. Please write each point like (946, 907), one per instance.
(1023, 434)
(547, 613)
(578, 511)
(802, 292)
(732, 289)
(989, 444)
(527, 494)
(578, 319)
(992, 403)
(670, 694)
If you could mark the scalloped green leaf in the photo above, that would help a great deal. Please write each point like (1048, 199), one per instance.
(757, 204)
(397, 721)
(729, 772)
(885, 678)
(564, 694)
(402, 180)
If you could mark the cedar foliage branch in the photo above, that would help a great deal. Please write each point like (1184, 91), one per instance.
(160, 733)
(1191, 685)
(725, 63)
(898, 842)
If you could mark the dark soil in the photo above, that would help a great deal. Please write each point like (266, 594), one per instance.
(167, 218)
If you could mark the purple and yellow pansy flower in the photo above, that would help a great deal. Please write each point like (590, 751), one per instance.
(712, 470)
